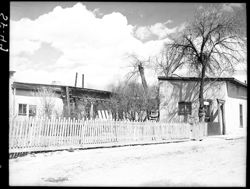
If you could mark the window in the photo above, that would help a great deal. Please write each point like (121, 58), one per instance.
(184, 108)
(241, 116)
(22, 109)
(32, 110)
(207, 109)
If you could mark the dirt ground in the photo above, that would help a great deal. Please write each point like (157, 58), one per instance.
(213, 161)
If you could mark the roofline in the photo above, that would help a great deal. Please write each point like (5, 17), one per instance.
(59, 86)
(230, 79)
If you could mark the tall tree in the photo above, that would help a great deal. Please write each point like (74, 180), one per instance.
(138, 65)
(168, 61)
(211, 44)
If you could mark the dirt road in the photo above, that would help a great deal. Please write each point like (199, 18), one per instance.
(211, 162)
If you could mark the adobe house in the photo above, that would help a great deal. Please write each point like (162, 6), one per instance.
(225, 101)
(78, 102)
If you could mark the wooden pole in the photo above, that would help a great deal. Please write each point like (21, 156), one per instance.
(14, 102)
(67, 98)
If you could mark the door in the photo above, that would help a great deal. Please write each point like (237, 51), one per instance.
(221, 113)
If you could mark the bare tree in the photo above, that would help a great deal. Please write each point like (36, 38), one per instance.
(168, 61)
(128, 99)
(138, 65)
(47, 101)
(211, 44)
(138, 69)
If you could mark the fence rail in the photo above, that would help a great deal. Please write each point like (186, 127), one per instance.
(43, 134)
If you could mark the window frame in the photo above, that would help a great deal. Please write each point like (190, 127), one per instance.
(22, 109)
(187, 105)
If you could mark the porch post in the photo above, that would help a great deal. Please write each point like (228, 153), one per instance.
(14, 101)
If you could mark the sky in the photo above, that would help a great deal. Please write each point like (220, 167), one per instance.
(51, 41)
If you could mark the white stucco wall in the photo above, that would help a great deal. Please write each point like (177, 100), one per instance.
(235, 97)
(10, 99)
(232, 116)
(172, 92)
(11, 80)
(33, 100)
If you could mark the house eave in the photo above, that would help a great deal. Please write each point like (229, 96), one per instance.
(57, 88)
(229, 79)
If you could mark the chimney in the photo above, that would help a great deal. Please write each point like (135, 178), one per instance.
(82, 80)
(76, 79)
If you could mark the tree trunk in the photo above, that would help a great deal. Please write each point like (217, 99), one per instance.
(143, 79)
(201, 112)
(145, 87)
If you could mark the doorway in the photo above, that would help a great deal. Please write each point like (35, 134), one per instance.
(221, 115)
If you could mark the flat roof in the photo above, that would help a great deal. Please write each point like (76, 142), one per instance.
(32, 86)
(230, 79)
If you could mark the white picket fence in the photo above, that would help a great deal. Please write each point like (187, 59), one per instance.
(43, 134)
